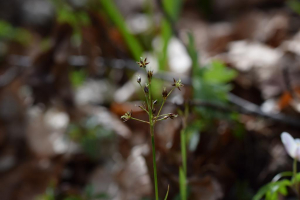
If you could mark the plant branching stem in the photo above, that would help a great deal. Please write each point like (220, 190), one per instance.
(145, 110)
(157, 120)
(162, 105)
(151, 122)
(139, 120)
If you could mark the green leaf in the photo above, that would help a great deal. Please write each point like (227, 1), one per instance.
(194, 55)
(167, 194)
(166, 34)
(101, 196)
(271, 190)
(294, 5)
(261, 192)
(173, 8)
(8, 32)
(182, 184)
(217, 72)
(282, 174)
(116, 17)
(77, 77)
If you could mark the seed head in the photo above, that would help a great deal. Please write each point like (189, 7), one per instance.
(150, 74)
(143, 63)
(165, 93)
(177, 84)
(146, 89)
(126, 116)
(171, 115)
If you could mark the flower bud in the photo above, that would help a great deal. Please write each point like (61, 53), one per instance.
(139, 79)
(177, 84)
(150, 74)
(143, 63)
(172, 116)
(165, 93)
(155, 102)
(126, 116)
(146, 89)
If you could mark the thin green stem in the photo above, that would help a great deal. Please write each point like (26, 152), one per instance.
(295, 176)
(183, 151)
(170, 91)
(144, 109)
(157, 120)
(139, 120)
(161, 115)
(154, 162)
(160, 109)
(153, 141)
(183, 188)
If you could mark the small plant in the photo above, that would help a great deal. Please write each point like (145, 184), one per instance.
(277, 186)
(154, 117)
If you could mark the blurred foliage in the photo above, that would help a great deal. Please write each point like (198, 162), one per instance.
(11, 33)
(77, 77)
(74, 17)
(115, 16)
(294, 5)
(210, 82)
(88, 194)
(90, 135)
(272, 190)
(173, 9)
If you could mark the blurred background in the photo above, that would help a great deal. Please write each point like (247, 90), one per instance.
(68, 72)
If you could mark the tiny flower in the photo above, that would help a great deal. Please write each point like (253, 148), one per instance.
(126, 116)
(150, 74)
(146, 89)
(143, 63)
(165, 93)
(177, 84)
(292, 146)
(139, 79)
(171, 115)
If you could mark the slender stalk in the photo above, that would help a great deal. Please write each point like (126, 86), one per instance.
(154, 161)
(295, 176)
(144, 109)
(152, 142)
(160, 109)
(162, 106)
(183, 151)
(159, 119)
(161, 116)
(139, 120)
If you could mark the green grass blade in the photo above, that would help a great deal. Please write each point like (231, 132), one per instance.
(172, 8)
(116, 17)
(167, 194)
